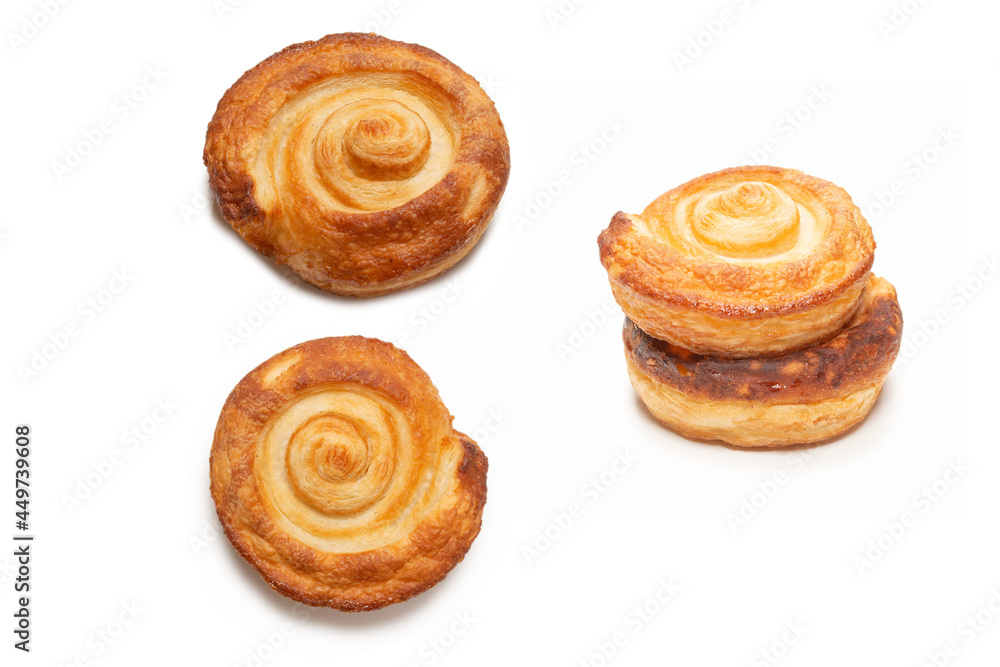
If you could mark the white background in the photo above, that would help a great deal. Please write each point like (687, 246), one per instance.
(147, 534)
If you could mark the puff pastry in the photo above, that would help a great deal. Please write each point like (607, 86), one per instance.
(744, 262)
(337, 474)
(365, 164)
(799, 397)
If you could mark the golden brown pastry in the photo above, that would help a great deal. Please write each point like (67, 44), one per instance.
(336, 473)
(744, 262)
(798, 397)
(364, 164)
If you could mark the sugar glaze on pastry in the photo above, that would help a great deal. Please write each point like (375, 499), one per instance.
(365, 164)
(337, 474)
(744, 262)
(799, 397)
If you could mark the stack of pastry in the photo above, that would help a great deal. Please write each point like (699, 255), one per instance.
(752, 315)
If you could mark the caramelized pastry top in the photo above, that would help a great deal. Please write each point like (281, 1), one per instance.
(363, 163)
(337, 474)
(747, 242)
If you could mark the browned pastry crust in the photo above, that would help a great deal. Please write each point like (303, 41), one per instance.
(365, 164)
(799, 397)
(337, 474)
(744, 262)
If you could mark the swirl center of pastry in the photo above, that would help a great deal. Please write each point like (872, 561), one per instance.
(747, 220)
(383, 141)
(331, 465)
(388, 146)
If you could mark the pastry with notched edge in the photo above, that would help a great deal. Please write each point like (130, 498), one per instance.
(336, 473)
(365, 164)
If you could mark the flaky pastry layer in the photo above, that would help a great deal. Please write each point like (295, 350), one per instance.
(799, 397)
(337, 474)
(744, 262)
(365, 164)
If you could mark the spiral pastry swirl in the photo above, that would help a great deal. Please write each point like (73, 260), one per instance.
(364, 164)
(336, 473)
(750, 261)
